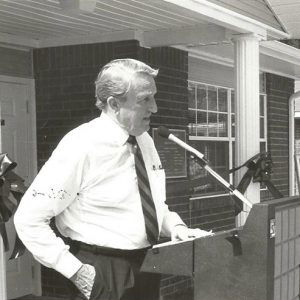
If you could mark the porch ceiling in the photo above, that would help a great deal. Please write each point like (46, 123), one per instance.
(38, 19)
(42, 23)
(47, 21)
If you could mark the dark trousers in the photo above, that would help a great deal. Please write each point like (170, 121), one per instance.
(118, 275)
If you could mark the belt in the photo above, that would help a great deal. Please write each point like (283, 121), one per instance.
(77, 245)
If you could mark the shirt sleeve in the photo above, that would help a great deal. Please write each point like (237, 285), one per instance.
(52, 191)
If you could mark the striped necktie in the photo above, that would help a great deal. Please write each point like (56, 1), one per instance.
(148, 206)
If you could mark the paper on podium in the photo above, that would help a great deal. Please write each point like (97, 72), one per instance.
(176, 242)
(170, 243)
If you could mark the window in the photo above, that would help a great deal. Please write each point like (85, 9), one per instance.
(212, 132)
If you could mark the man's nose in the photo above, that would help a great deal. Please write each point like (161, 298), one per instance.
(153, 106)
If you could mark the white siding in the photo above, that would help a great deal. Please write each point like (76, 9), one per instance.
(210, 73)
(256, 9)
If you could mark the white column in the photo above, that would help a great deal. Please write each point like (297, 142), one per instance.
(246, 49)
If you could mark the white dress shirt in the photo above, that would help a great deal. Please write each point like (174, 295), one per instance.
(89, 183)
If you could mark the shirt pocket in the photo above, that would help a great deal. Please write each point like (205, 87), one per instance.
(115, 190)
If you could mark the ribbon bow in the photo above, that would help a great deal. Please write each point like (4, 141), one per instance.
(258, 171)
(12, 189)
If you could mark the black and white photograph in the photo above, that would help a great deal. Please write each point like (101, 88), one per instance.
(149, 149)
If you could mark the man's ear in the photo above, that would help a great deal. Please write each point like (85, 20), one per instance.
(113, 104)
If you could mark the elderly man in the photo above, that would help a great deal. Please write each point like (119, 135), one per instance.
(106, 189)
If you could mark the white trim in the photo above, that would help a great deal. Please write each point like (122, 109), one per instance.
(22, 80)
(111, 36)
(230, 19)
(195, 35)
(274, 49)
(297, 85)
(210, 84)
(16, 40)
(283, 74)
(208, 56)
(280, 51)
(209, 138)
(16, 47)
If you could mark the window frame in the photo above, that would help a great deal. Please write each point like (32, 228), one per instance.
(229, 138)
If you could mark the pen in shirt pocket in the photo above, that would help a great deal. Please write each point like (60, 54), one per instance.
(157, 167)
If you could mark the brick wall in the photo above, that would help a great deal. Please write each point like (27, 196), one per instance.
(279, 89)
(65, 98)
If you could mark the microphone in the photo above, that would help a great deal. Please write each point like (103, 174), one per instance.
(165, 133)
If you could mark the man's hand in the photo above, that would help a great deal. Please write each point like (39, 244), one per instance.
(181, 233)
(84, 279)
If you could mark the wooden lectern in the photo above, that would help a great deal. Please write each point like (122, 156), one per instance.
(259, 261)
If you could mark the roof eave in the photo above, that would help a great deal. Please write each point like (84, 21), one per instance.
(230, 19)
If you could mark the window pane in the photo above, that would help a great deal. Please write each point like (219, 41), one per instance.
(261, 128)
(261, 105)
(232, 125)
(222, 100)
(192, 122)
(212, 98)
(191, 96)
(223, 125)
(262, 82)
(202, 123)
(233, 156)
(232, 102)
(201, 97)
(263, 147)
(217, 154)
(212, 124)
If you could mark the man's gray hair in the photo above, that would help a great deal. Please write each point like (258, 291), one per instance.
(114, 79)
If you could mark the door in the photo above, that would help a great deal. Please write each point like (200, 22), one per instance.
(17, 143)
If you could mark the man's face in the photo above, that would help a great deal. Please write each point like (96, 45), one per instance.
(135, 111)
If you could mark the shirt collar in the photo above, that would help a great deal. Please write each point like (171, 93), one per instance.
(116, 133)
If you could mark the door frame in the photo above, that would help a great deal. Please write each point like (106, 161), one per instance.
(36, 268)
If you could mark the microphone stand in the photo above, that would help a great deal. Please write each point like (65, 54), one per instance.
(164, 132)
(229, 187)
